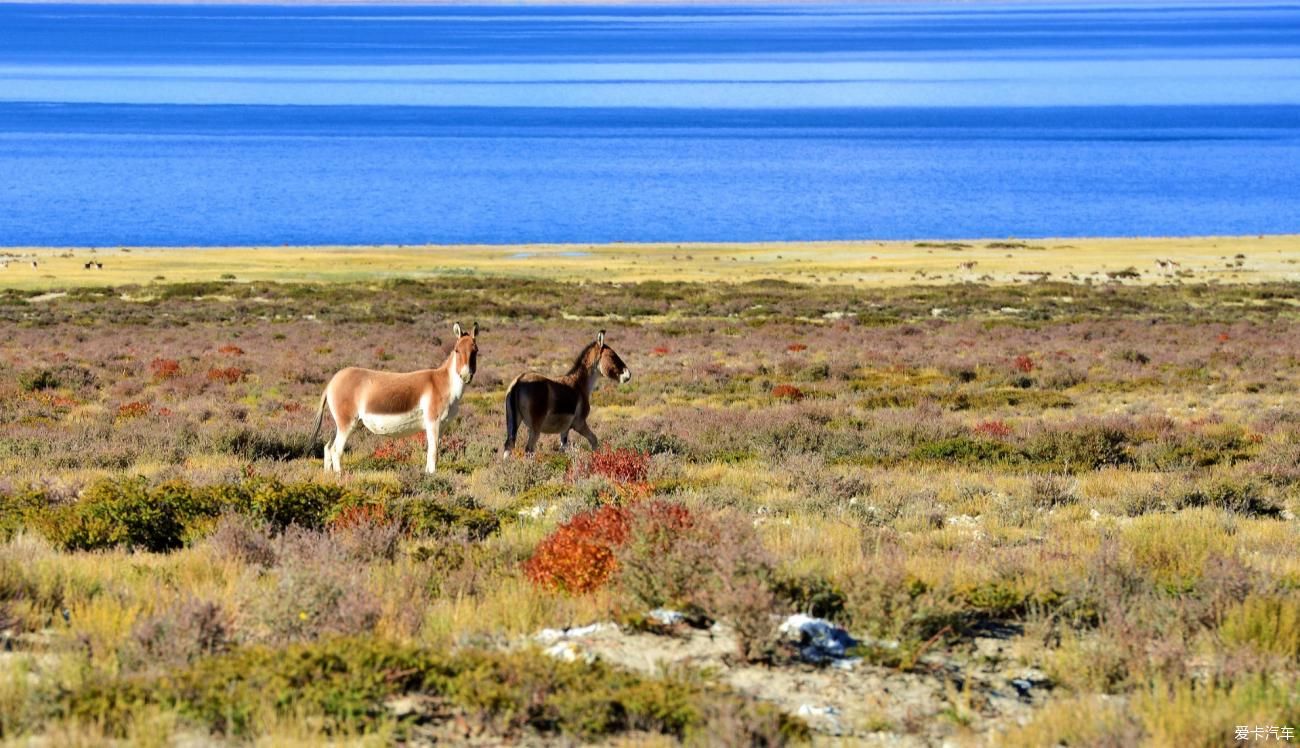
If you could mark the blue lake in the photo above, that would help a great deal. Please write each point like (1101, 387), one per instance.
(215, 125)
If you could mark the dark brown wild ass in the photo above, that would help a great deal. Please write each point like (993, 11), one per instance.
(556, 406)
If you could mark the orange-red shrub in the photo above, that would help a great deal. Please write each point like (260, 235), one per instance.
(796, 347)
(993, 429)
(165, 368)
(229, 375)
(660, 350)
(621, 466)
(133, 409)
(787, 392)
(582, 554)
(1023, 364)
(579, 556)
(231, 350)
(359, 515)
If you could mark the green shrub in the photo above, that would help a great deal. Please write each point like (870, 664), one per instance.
(38, 380)
(343, 683)
(424, 518)
(1269, 624)
(1239, 496)
(1085, 447)
(127, 513)
(964, 449)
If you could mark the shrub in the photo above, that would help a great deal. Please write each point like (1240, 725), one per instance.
(1269, 624)
(810, 594)
(37, 380)
(242, 539)
(128, 513)
(228, 375)
(164, 368)
(622, 466)
(995, 429)
(231, 349)
(709, 568)
(342, 684)
(1023, 364)
(179, 635)
(1279, 463)
(1087, 446)
(787, 392)
(441, 518)
(796, 347)
(963, 449)
(135, 409)
(319, 591)
(1051, 491)
(366, 532)
(579, 556)
(1241, 497)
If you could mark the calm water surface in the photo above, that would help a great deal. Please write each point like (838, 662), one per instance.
(192, 125)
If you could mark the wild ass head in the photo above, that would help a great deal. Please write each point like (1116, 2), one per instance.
(466, 351)
(609, 362)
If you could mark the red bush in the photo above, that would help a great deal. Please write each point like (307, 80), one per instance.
(229, 375)
(582, 554)
(787, 392)
(1023, 364)
(165, 368)
(55, 399)
(579, 556)
(231, 350)
(796, 347)
(622, 466)
(359, 515)
(660, 350)
(132, 409)
(993, 429)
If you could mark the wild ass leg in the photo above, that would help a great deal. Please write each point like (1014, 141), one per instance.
(340, 441)
(564, 440)
(533, 434)
(585, 430)
(431, 435)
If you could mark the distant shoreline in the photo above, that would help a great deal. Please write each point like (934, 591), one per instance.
(1206, 259)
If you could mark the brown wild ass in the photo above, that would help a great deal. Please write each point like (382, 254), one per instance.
(556, 406)
(394, 404)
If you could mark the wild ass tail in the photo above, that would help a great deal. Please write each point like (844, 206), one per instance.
(320, 416)
(512, 419)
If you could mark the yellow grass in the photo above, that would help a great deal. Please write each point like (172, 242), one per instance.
(860, 263)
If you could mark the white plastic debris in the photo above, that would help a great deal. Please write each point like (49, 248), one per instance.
(548, 636)
(812, 710)
(820, 641)
(569, 651)
(666, 617)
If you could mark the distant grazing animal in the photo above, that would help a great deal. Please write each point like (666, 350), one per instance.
(394, 404)
(33, 263)
(556, 406)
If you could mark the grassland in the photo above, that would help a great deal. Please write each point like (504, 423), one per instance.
(1047, 512)
(859, 264)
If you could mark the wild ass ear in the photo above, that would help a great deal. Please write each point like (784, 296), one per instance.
(600, 338)
(456, 330)
(473, 333)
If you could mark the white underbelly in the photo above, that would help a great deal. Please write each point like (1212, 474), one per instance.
(395, 423)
